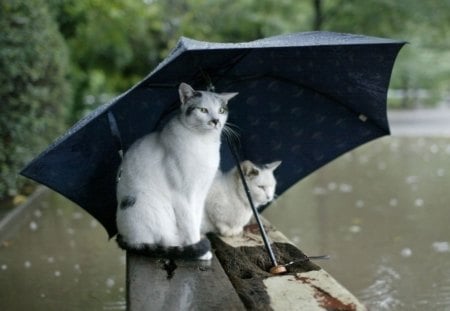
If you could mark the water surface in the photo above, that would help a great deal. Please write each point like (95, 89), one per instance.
(57, 257)
(382, 213)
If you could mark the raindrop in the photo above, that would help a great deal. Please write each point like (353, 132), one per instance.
(77, 267)
(50, 259)
(27, 264)
(362, 117)
(434, 148)
(332, 186)
(354, 229)
(393, 202)
(70, 231)
(441, 247)
(440, 172)
(110, 282)
(346, 188)
(93, 223)
(411, 179)
(57, 273)
(37, 213)
(406, 252)
(418, 202)
(4, 267)
(359, 204)
(319, 191)
(77, 215)
(43, 295)
(33, 226)
(447, 150)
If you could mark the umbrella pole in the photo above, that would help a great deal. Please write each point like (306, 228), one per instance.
(276, 269)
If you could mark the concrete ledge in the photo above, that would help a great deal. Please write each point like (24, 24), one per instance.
(158, 284)
(236, 279)
(305, 286)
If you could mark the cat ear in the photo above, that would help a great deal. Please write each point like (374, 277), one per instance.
(273, 166)
(227, 96)
(186, 92)
(249, 169)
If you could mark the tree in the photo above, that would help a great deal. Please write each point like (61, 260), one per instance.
(33, 86)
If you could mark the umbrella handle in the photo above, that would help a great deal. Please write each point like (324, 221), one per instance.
(276, 269)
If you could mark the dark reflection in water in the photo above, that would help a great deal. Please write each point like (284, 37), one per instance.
(382, 213)
(59, 258)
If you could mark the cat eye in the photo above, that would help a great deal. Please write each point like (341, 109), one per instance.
(203, 110)
(222, 110)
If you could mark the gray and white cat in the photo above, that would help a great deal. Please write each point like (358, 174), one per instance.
(227, 209)
(165, 177)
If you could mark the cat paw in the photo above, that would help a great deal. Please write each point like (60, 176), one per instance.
(207, 256)
(231, 232)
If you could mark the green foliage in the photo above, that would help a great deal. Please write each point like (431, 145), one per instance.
(115, 43)
(33, 89)
(421, 64)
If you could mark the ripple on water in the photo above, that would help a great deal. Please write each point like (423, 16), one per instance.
(382, 294)
(441, 247)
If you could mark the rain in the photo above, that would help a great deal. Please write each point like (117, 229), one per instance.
(381, 213)
(60, 251)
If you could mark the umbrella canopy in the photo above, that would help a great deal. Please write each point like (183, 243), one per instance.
(304, 98)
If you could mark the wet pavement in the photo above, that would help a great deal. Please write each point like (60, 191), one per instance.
(57, 257)
(381, 212)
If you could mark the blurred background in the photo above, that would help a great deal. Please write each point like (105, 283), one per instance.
(59, 59)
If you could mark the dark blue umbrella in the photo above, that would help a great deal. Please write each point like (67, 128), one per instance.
(304, 98)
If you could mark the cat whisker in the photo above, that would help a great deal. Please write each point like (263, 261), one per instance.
(231, 134)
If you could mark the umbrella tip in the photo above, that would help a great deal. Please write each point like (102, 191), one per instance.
(279, 269)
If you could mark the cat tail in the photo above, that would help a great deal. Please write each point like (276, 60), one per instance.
(192, 251)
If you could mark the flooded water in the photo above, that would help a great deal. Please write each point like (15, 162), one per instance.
(382, 213)
(57, 257)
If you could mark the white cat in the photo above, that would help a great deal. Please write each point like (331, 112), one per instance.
(165, 177)
(227, 209)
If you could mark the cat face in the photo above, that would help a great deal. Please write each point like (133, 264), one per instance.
(202, 110)
(261, 181)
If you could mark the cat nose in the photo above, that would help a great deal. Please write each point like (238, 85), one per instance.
(214, 122)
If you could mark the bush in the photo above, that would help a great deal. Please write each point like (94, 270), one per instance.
(33, 86)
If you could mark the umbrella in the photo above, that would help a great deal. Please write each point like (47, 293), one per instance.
(304, 98)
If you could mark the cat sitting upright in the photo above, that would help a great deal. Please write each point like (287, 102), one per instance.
(227, 209)
(165, 177)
